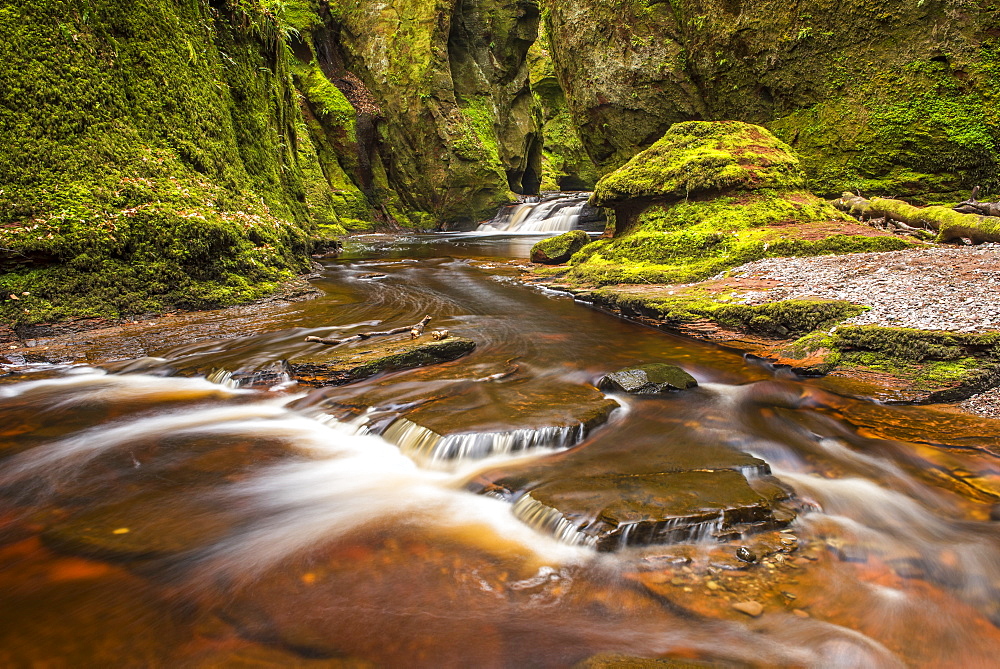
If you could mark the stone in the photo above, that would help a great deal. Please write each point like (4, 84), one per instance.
(343, 364)
(744, 554)
(703, 158)
(751, 608)
(559, 249)
(668, 507)
(648, 379)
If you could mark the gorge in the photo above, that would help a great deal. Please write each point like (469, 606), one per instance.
(674, 405)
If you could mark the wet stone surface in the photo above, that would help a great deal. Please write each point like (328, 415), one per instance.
(340, 365)
(670, 507)
(648, 379)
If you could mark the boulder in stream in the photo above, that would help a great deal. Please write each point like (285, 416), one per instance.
(660, 508)
(648, 379)
(340, 365)
(559, 249)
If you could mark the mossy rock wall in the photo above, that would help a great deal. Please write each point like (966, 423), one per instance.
(565, 163)
(455, 120)
(152, 157)
(894, 97)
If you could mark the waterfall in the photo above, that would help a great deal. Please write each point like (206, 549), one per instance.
(555, 214)
(428, 446)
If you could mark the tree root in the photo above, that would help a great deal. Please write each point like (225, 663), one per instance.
(414, 330)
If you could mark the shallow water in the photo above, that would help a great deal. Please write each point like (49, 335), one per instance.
(161, 516)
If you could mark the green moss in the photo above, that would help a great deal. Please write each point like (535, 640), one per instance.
(929, 360)
(560, 248)
(693, 240)
(787, 318)
(697, 157)
(150, 158)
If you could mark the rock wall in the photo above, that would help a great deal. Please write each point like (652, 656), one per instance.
(894, 96)
(455, 122)
(150, 157)
(565, 163)
(191, 153)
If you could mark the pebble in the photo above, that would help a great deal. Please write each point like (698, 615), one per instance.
(800, 613)
(745, 554)
(752, 609)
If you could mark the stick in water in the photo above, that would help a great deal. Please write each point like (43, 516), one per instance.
(414, 330)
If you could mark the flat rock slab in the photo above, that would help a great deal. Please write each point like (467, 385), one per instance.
(334, 366)
(648, 379)
(613, 512)
(476, 422)
(657, 486)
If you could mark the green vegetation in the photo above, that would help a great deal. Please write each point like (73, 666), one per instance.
(150, 158)
(693, 240)
(696, 157)
(560, 248)
(785, 319)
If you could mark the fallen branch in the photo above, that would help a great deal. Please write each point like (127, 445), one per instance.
(949, 225)
(973, 206)
(414, 330)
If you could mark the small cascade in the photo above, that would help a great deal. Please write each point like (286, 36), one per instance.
(546, 519)
(552, 214)
(427, 446)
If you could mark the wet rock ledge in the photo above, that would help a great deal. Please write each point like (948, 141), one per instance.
(340, 365)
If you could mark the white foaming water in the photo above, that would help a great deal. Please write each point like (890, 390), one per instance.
(557, 215)
(63, 458)
(354, 480)
(429, 447)
(340, 482)
(87, 384)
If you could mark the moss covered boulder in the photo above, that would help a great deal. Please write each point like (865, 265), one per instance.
(648, 379)
(709, 196)
(698, 158)
(559, 249)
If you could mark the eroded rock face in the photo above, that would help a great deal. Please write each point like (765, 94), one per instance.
(339, 365)
(871, 94)
(648, 379)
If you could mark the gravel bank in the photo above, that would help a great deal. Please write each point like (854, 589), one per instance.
(949, 288)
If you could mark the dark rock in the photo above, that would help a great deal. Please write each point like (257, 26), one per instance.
(551, 417)
(559, 249)
(648, 379)
(745, 554)
(668, 507)
(344, 364)
(995, 512)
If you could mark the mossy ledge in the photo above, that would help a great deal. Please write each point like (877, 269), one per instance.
(808, 336)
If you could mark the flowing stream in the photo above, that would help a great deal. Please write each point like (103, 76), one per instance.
(193, 507)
